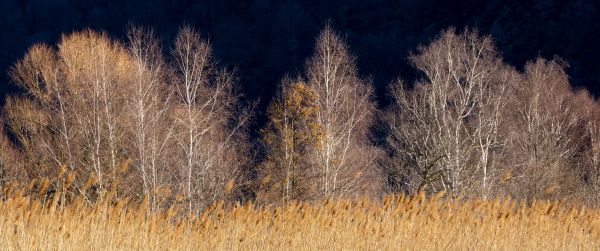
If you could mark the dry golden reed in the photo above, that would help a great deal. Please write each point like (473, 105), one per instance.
(393, 223)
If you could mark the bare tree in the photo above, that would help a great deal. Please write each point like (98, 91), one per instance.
(46, 107)
(447, 126)
(547, 129)
(206, 101)
(149, 105)
(12, 166)
(589, 148)
(346, 158)
(94, 67)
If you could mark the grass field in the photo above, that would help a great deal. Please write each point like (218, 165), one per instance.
(395, 223)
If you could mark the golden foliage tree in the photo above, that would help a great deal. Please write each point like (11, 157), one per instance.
(291, 138)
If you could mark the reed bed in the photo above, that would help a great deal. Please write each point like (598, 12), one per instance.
(396, 222)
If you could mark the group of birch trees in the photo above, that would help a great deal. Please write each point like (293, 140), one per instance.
(470, 125)
(474, 126)
(91, 103)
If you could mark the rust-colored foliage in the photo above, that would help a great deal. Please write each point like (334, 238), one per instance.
(290, 138)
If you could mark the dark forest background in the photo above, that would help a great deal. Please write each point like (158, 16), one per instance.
(266, 39)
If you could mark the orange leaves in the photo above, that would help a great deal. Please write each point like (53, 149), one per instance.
(292, 119)
(291, 136)
(229, 186)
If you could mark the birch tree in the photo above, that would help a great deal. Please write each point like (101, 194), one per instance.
(12, 163)
(95, 67)
(345, 111)
(589, 108)
(47, 106)
(447, 127)
(548, 129)
(204, 109)
(149, 105)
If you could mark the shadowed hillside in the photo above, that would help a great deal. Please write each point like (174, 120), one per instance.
(265, 39)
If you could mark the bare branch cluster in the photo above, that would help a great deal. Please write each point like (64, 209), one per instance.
(471, 125)
(93, 102)
(474, 126)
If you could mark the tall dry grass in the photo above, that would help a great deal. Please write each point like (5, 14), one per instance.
(59, 222)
